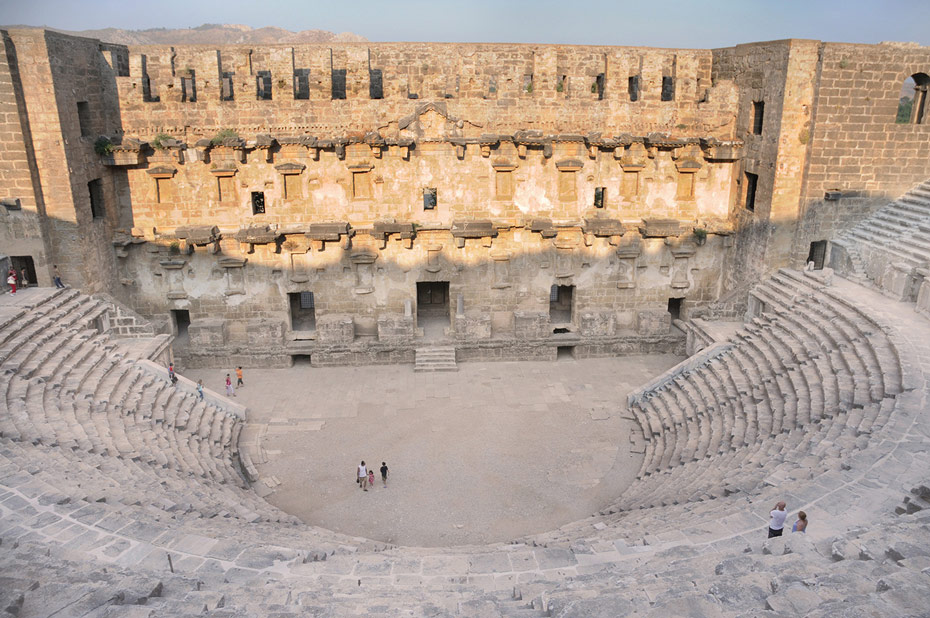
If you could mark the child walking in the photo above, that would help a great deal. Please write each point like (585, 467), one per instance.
(384, 473)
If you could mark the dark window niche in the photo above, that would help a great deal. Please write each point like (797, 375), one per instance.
(600, 196)
(95, 189)
(182, 320)
(189, 88)
(752, 181)
(84, 120)
(633, 87)
(226, 87)
(600, 82)
(258, 202)
(817, 254)
(429, 198)
(375, 84)
(302, 84)
(758, 111)
(668, 88)
(263, 85)
(339, 84)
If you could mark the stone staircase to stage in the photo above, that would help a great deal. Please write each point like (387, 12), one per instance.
(890, 249)
(435, 358)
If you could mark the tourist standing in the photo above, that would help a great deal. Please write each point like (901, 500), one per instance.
(801, 524)
(56, 277)
(777, 520)
(171, 375)
(363, 476)
(230, 392)
(11, 280)
(200, 389)
(239, 377)
(23, 279)
(384, 473)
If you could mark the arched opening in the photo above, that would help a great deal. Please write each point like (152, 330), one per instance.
(912, 102)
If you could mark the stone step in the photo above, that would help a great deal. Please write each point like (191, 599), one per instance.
(435, 359)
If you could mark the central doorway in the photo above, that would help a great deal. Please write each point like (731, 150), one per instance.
(433, 308)
(560, 304)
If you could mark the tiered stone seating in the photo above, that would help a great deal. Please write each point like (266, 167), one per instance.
(68, 391)
(811, 368)
(119, 497)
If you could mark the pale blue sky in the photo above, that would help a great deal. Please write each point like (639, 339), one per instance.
(665, 23)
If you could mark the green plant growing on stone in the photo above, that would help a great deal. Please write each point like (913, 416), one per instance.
(559, 87)
(804, 136)
(844, 62)
(174, 248)
(224, 135)
(529, 88)
(103, 146)
(159, 142)
(593, 87)
(700, 235)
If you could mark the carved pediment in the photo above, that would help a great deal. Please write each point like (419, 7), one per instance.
(432, 122)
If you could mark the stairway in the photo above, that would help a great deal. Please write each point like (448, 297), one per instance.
(435, 359)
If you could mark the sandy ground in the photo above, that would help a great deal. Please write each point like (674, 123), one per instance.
(489, 453)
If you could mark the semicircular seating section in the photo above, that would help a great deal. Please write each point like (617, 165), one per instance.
(803, 385)
(74, 398)
(120, 497)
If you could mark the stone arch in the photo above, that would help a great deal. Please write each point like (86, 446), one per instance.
(912, 102)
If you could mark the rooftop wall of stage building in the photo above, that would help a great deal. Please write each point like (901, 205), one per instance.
(828, 125)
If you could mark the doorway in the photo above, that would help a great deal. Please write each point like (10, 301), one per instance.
(20, 262)
(433, 307)
(182, 320)
(817, 254)
(560, 304)
(303, 312)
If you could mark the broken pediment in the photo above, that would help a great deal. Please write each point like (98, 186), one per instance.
(431, 122)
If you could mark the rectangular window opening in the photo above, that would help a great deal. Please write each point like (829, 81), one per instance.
(226, 87)
(95, 189)
(302, 84)
(565, 352)
(600, 196)
(263, 85)
(375, 84)
(429, 198)
(258, 202)
(84, 120)
(188, 89)
(339, 84)
(528, 83)
(561, 85)
(750, 196)
(668, 88)
(758, 110)
(633, 87)
(600, 83)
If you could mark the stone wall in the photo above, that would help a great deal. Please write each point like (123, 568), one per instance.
(21, 207)
(858, 153)
(233, 177)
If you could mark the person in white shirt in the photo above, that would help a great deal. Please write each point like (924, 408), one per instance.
(363, 476)
(777, 521)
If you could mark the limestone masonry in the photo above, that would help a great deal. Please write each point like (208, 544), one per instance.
(349, 203)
